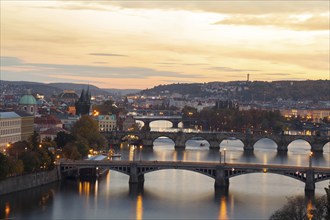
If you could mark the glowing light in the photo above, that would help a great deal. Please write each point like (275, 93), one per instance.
(223, 209)
(7, 210)
(139, 207)
(310, 209)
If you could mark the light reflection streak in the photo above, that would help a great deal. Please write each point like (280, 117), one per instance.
(175, 156)
(80, 188)
(310, 209)
(7, 210)
(139, 207)
(96, 189)
(265, 159)
(198, 156)
(223, 209)
(107, 184)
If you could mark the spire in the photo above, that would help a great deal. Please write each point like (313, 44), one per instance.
(82, 95)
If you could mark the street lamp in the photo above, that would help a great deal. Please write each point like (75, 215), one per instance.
(310, 159)
(140, 152)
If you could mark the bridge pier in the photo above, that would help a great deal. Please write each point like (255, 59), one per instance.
(134, 176)
(220, 179)
(148, 143)
(317, 147)
(175, 124)
(180, 144)
(248, 146)
(310, 184)
(214, 145)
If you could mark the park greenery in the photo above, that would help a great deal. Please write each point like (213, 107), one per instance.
(298, 208)
(37, 155)
(231, 119)
(85, 136)
(27, 156)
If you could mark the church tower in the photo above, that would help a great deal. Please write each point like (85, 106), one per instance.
(84, 103)
(28, 103)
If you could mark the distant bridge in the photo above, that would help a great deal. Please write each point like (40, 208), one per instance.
(220, 172)
(148, 119)
(214, 139)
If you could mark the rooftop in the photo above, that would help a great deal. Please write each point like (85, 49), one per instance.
(7, 115)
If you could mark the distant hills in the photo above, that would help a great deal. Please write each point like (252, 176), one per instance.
(315, 90)
(48, 89)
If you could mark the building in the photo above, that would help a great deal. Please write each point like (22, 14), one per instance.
(107, 122)
(44, 123)
(68, 97)
(27, 122)
(51, 133)
(68, 120)
(10, 129)
(28, 104)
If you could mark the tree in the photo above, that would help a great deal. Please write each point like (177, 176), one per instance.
(327, 190)
(34, 140)
(31, 161)
(86, 129)
(63, 138)
(4, 166)
(296, 208)
(70, 151)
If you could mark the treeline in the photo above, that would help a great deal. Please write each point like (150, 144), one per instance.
(26, 157)
(85, 136)
(229, 119)
(34, 155)
(315, 90)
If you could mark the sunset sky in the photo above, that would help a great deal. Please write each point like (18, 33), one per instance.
(141, 44)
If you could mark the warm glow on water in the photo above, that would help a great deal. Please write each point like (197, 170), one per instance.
(223, 209)
(139, 207)
(309, 209)
(170, 194)
(7, 210)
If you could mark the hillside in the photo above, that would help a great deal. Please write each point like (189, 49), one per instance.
(247, 91)
(20, 87)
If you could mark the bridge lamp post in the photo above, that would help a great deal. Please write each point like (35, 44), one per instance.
(140, 152)
(310, 159)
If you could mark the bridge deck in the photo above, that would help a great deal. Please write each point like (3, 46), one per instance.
(182, 164)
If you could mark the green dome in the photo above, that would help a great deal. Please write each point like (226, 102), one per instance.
(27, 100)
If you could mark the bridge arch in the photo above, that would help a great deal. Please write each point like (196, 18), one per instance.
(162, 139)
(206, 172)
(196, 141)
(266, 143)
(326, 148)
(300, 176)
(165, 123)
(300, 144)
(232, 143)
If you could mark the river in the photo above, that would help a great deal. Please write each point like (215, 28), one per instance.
(172, 194)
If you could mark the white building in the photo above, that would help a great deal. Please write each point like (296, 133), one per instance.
(107, 122)
(10, 129)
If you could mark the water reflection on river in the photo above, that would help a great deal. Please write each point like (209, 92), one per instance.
(172, 194)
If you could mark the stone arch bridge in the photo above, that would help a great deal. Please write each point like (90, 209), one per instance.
(221, 173)
(214, 139)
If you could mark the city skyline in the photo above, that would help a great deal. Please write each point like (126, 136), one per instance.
(124, 44)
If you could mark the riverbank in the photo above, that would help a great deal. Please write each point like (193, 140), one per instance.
(23, 182)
